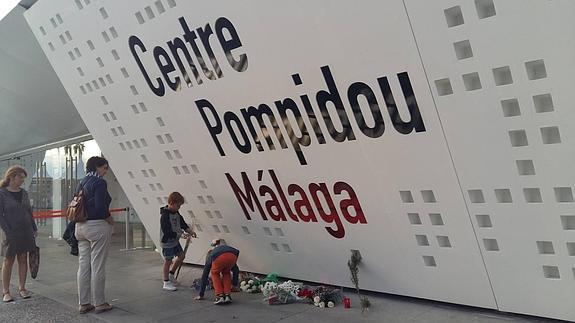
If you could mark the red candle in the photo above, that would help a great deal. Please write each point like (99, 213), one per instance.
(346, 302)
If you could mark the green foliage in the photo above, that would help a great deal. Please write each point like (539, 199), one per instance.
(353, 264)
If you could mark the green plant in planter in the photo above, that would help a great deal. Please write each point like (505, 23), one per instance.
(353, 264)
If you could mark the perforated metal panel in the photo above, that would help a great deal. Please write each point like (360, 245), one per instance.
(468, 202)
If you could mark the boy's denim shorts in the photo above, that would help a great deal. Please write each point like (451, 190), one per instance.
(170, 253)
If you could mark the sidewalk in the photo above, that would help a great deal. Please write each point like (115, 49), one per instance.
(134, 288)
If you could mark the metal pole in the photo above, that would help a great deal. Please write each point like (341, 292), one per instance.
(128, 235)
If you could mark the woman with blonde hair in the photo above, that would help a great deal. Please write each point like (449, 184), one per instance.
(19, 228)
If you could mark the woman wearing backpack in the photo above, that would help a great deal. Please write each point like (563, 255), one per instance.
(94, 237)
(19, 230)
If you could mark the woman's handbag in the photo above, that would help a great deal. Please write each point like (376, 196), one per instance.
(34, 261)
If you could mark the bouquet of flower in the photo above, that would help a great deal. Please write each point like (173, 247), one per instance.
(326, 296)
(284, 293)
(251, 285)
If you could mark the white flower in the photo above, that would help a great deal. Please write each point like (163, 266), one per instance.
(316, 304)
(251, 282)
(243, 283)
(316, 299)
(330, 304)
(321, 304)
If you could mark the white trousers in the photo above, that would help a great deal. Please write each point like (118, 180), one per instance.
(94, 237)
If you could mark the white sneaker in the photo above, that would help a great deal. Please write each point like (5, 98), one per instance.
(169, 286)
(172, 277)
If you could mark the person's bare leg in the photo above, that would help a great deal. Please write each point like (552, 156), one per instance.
(7, 274)
(167, 264)
(22, 270)
(177, 263)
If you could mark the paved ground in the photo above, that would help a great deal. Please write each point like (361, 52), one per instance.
(134, 288)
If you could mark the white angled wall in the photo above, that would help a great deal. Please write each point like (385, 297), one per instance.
(475, 209)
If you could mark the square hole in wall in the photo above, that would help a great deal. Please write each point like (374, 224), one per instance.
(279, 232)
(463, 49)
(52, 48)
(536, 69)
(216, 228)
(105, 36)
(203, 184)
(471, 81)
(551, 272)
(476, 196)
(160, 6)
(195, 169)
(143, 106)
(568, 222)
(443, 87)
(502, 76)
(571, 248)
(115, 54)
(428, 196)
(563, 194)
(143, 141)
(485, 8)
(100, 62)
(129, 145)
(218, 214)
(491, 244)
(139, 17)
(131, 175)
(406, 196)
(483, 220)
(199, 228)
(172, 3)
(245, 230)
(267, 231)
(160, 122)
(518, 138)
(443, 241)
(145, 200)
(152, 187)
(124, 72)
(177, 154)
(104, 13)
(503, 195)
(176, 170)
(543, 103)
(113, 32)
(545, 248)
(532, 195)
(550, 135)
(90, 45)
(134, 90)
(160, 201)
(429, 261)
(201, 200)
(275, 247)
(286, 247)
(149, 12)
(421, 240)
(186, 169)
(453, 16)
(122, 146)
(525, 167)
(225, 228)
(191, 214)
(414, 218)
(211, 199)
(168, 155)
(436, 219)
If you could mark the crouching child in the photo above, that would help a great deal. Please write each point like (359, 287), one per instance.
(173, 227)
